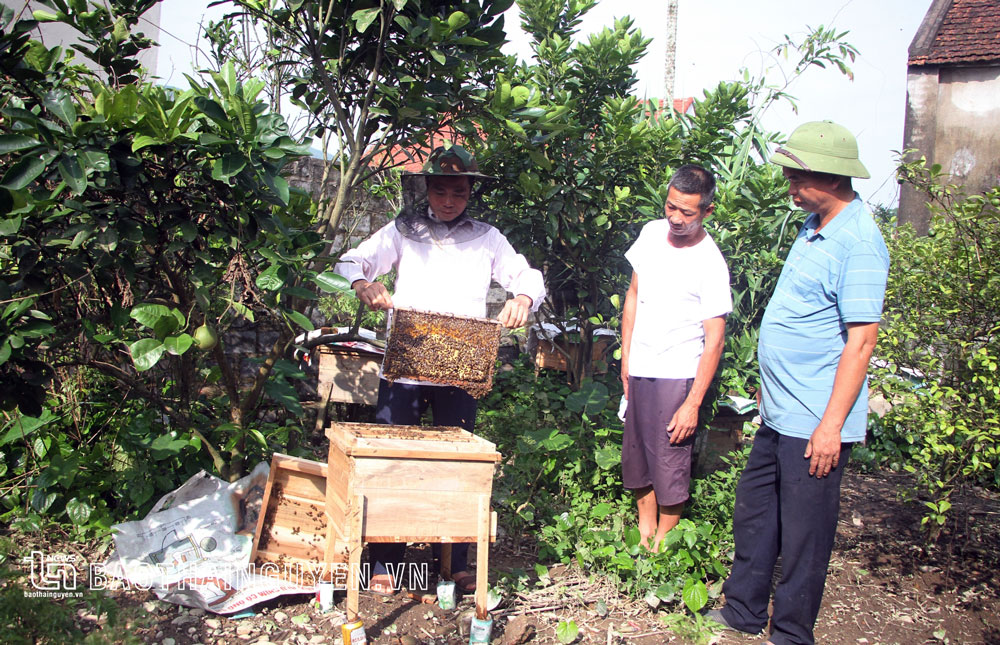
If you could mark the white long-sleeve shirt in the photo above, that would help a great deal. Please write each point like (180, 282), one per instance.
(442, 268)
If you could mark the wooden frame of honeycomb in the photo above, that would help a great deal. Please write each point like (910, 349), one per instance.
(442, 348)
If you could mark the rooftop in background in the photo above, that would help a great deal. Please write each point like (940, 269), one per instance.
(957, 32)
(412, 158)
(681, 106)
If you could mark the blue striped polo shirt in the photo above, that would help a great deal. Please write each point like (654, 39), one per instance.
(831, 277)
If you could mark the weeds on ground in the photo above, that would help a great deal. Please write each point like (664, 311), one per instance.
(92, 618)
(561, 479)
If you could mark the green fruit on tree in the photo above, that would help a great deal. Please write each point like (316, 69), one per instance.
(205, 337)
(520, 94)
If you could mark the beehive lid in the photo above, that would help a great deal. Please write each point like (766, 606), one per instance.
(441, 348)
(410, 442)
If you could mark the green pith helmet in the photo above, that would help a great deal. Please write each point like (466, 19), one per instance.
(821, 146)
(453, 160)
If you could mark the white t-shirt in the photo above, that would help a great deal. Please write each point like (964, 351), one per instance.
(678, 289)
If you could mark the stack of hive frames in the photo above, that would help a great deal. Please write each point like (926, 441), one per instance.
(441, 348)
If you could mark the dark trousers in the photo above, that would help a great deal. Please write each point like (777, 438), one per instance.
(404, 404)
(781, 510)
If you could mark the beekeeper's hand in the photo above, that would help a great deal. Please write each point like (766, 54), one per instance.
(515, 312)
(373, 294)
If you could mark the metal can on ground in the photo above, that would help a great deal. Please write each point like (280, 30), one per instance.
(324, 595)
(354, 633)
(481, 631)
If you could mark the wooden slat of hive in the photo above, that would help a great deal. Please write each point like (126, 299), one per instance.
(295, 523)
(409, 442)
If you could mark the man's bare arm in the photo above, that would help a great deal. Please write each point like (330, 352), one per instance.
(823, 449)
(628, 323)
(685, 419)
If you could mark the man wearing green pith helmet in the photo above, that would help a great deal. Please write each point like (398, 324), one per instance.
(816, 340)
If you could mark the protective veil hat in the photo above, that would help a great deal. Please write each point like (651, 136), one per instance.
(452, 160)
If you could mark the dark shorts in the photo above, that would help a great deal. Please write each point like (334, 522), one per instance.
(648, 458)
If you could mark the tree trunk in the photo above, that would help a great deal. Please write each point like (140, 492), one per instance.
(581, 366)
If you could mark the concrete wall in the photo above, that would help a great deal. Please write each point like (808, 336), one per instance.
(363, 217)
(953, 119)
(968, 126)
(919, 131)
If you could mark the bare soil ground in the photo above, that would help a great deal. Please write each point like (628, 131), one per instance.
(885, 586)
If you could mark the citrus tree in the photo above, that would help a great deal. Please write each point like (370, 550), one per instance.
(585, 163)
(572, 148)
(377, 77)
(137, 224)
(939, 346)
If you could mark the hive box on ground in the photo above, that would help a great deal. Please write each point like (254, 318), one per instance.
(550, 348)
(548, 356)
(420, 484)
(381, 483)
(411, 484)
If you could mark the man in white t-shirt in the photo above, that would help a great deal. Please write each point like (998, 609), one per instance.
(673, 329)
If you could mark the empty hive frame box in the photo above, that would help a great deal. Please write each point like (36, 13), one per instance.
(348, 375)
(442, 348)
(293, 536)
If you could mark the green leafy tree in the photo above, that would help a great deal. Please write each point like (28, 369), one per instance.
(379, 76)
(939, 346)
(754, 223)
(137, 224)
(573, 149)
(586, 164)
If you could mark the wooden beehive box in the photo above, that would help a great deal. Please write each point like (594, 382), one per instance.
(292, 530)
(348, 375)
(419, 484)
(546, 355)
(442, 348)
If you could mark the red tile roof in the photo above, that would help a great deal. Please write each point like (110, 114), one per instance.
(412, 158)
(969, 32)
(681, 106)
